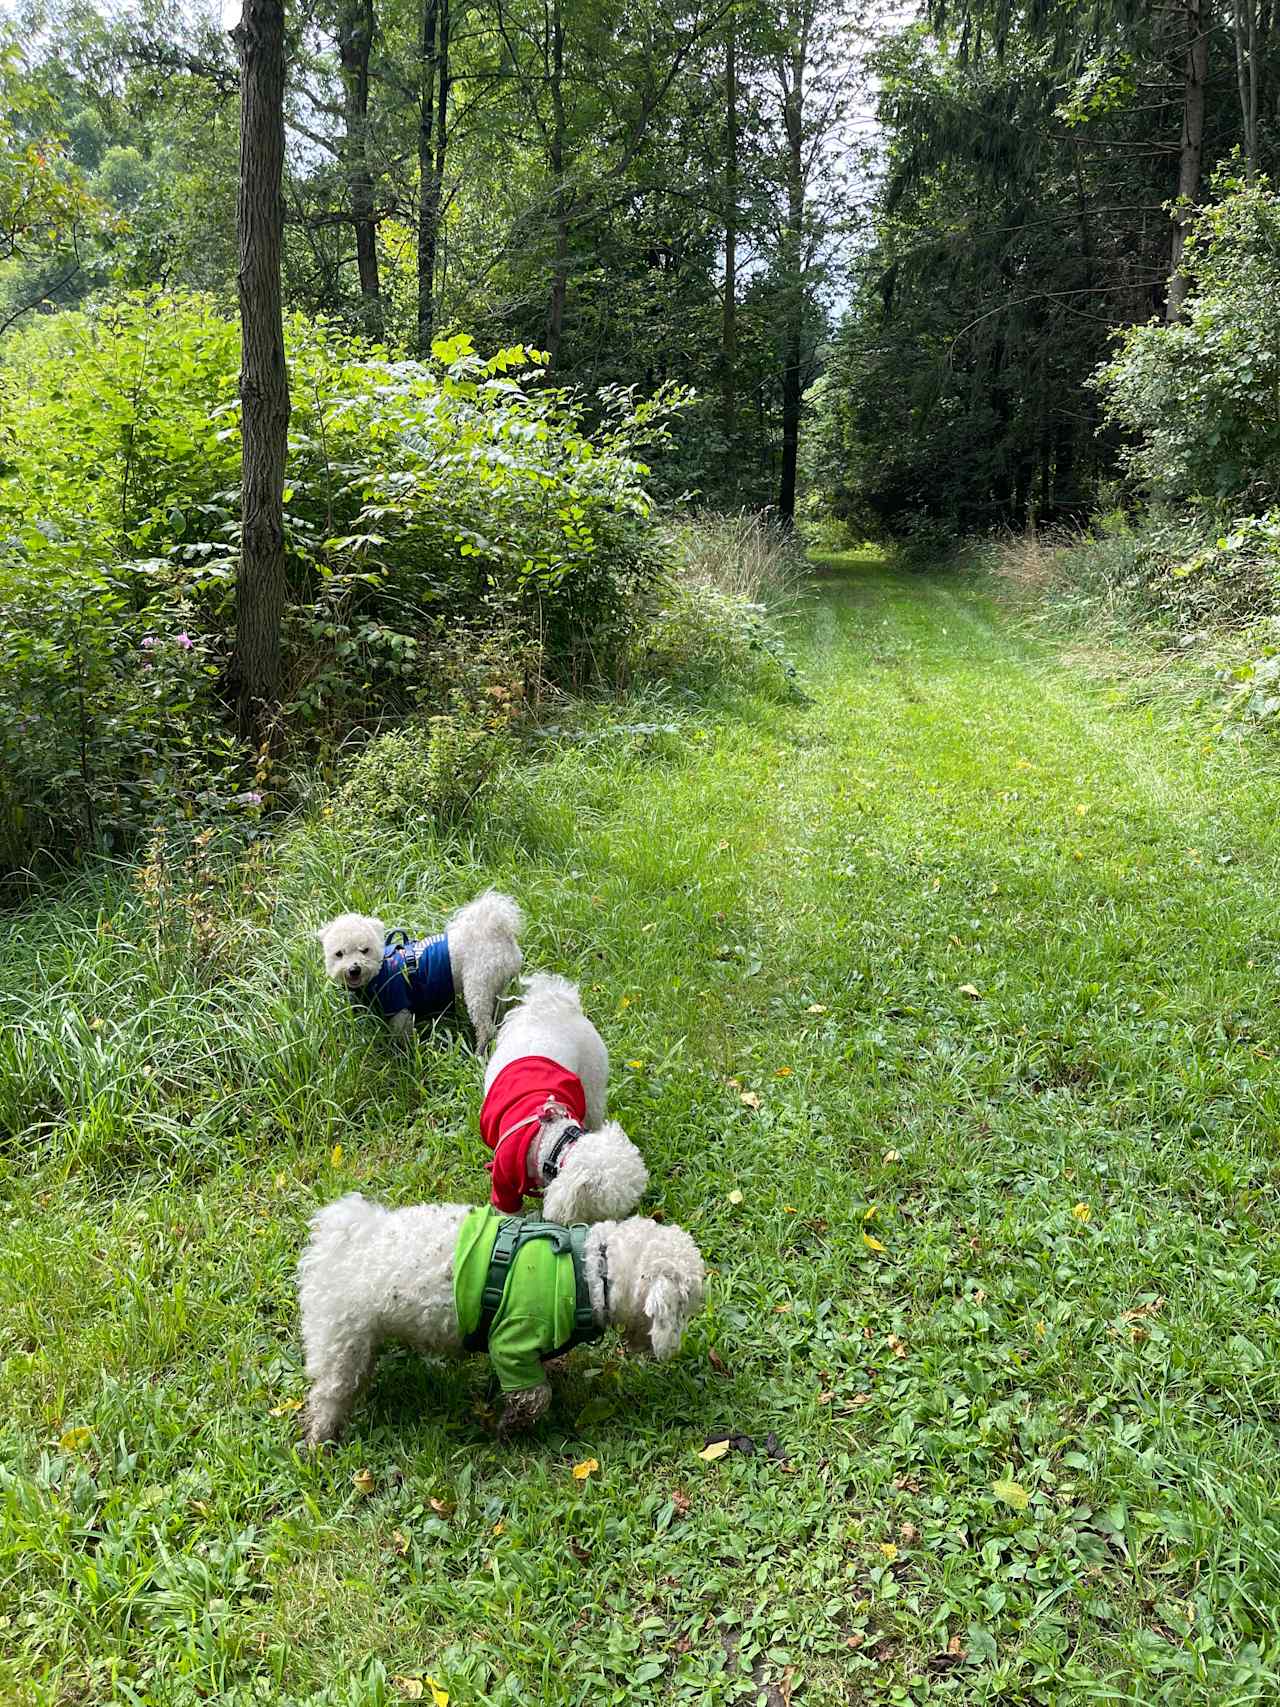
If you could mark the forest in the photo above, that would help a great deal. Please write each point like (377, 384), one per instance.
(918, 279)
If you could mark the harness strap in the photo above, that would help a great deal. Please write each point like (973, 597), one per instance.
(514, 1232)
(555, 1161)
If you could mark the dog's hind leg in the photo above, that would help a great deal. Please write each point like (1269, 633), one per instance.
(338, 1364)
(482, 985)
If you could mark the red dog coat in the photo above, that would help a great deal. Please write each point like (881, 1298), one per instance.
(511, 1117)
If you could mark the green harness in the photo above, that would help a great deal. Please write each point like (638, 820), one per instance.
(518, 1230)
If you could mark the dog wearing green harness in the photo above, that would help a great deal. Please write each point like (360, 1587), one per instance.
(450, 1279)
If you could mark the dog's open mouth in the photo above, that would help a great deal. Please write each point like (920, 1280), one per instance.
(354, 976)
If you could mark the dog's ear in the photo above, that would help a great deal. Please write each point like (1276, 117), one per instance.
(322, 931)
(664, 1306)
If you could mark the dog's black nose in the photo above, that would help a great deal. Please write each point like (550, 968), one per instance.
(353, 974)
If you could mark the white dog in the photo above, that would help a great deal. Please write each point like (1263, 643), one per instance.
(475, 957)
(444, 1277)
(543, 1112)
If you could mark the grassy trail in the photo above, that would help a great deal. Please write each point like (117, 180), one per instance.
(943, 1008)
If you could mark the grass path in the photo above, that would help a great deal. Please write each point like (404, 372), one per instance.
(943, 1008)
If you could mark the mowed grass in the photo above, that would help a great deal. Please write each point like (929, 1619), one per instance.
(943, 1009)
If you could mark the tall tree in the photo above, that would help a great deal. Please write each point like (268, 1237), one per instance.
(264, 380)
(355, 45)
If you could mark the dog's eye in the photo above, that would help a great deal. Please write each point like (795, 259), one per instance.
(337, 954)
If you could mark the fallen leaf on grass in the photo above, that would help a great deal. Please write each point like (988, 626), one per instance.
(783, 1072)
(1012, 1493)
(717, 1449)
(815, 1008)
(749, 1099)
(439, 1694)
(872, 1244)
(782, 1309)
(500, 1526)
(636, 1066)
(735, 1197)
(581, 1554)
(75, 1438)
(285, 1408)
(583, 1470)
(412, 1688)
(400, 1543)
(1081, 1211)
(892, 1156)
(897, 1346)
(908, 1532)
(971, 990)
(362, 1482)
(870, 1213)
(716, 1361)
(442, 1508)
(680, 1500)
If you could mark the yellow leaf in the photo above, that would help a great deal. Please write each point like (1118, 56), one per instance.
(890, 1550)
(717, 1449)
(335, 1155)
(362, 1481)
(869, 1214)
(281, 1182)
(971, 990)
(892, 1156)
(499, 1527)
(784, 1072)
(1081, 1211)
(750, 1099)
(1081, 809)
(75, 1438)
(637, 1065)
(439, 1695)
(400, 1541)
(815, 1008)
(583, 1470)
(1012, 1493)
(624, 1003)
(1042, 1327)
(412, 1688)
(872, 1244)
(735, 1197)
(286, 1408)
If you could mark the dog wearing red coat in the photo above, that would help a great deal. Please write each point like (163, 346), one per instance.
(543, 1114)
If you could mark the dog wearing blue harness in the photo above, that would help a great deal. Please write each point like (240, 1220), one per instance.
(404, 979)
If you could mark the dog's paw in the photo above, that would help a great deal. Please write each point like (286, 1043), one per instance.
(522, 1410)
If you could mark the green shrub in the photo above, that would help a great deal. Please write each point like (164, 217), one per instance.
(431, 769)
(1198, 398)
(462, 497)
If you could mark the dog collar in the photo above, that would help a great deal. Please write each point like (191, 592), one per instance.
(555, 1161)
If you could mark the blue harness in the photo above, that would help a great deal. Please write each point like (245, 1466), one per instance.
(416, 977)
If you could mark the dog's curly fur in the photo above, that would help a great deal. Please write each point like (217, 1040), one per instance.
(371, 1274)
(603, 1175)
(484, 956)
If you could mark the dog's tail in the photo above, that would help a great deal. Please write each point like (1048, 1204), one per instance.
(490, 913)
(333, 1225)
(548, 993)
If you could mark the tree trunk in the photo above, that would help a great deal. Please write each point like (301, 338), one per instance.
(1197, 70)
(560, 195)
(1244, 33)
(355, 43)
(793, 250)
(434, 74)
(264, 381)
(729, 331)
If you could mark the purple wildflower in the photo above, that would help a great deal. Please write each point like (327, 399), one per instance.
(185, 641)
(149, 642)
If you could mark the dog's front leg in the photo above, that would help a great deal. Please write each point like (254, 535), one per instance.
(402, 1025)
(523, 1409)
